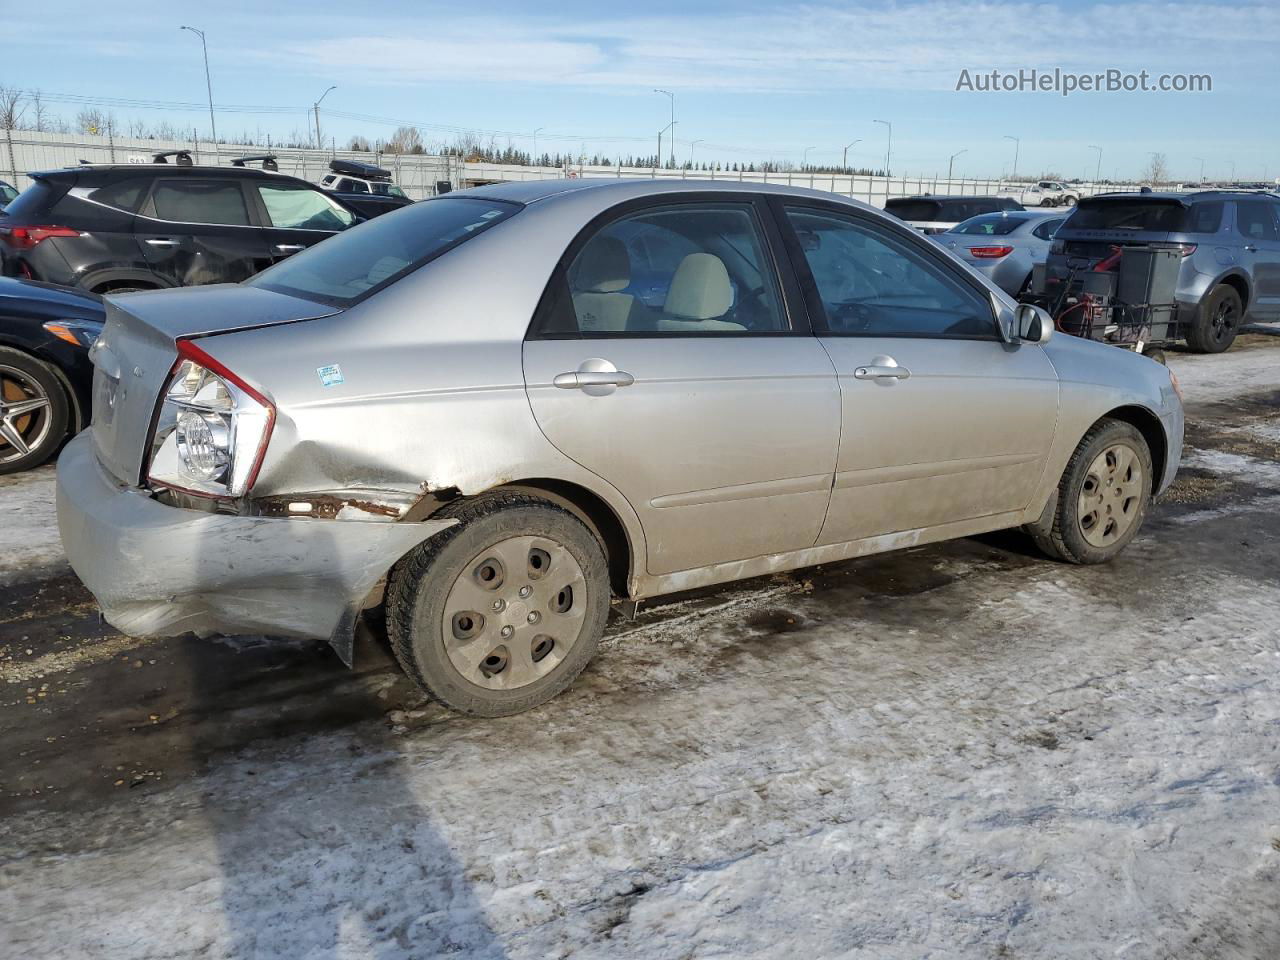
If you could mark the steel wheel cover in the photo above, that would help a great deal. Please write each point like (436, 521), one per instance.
(1111, 495)
(514, 613)
(25, 414)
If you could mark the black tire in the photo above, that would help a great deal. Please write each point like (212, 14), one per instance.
(24, 379)
(422, 582)
(1217, 321)
(1063, 532)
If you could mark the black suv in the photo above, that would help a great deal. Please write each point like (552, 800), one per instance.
(112, 228)
(1228, 242)
(932, 215)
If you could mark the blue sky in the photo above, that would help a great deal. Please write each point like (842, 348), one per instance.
(752, 81)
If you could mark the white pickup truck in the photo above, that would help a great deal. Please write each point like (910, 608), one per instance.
(1043, 193)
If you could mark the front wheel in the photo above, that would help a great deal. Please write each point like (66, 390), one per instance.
(34, 413)
(1102, 498)
(500, 613)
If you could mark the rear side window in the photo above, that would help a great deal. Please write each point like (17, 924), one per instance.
(354, 263)
(123, 195)
(201, 201)
(1254, 220)
(990, 225)
(1205, 217)
(1046, 229)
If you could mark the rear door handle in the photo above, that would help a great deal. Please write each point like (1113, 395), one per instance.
(161, 242)
(290, 247)
(881, 368)
(593, 378)
(1250, 248)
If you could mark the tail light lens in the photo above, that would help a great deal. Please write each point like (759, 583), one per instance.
(1186, 249)
(990, 253)
(212, 430)
(24, 238)
(1058, 246)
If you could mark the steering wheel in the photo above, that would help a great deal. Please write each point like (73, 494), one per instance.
(852, 316)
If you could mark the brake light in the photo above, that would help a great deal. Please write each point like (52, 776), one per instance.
(990, 253)
(1186, 249)
(24, 238)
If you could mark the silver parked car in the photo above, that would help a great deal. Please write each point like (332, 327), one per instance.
(1005, 247)
(496, 412)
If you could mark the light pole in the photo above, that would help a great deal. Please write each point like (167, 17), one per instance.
(316, 107)
(535, 144)
(1097, 173)
(1017, 145)
(1233, 171)
(889, 146)
(804, 161)
(208, 85)
(952, 161)
(844, 160)
(691, 146)
(657, 160)
(672, 97)
(1201, 159)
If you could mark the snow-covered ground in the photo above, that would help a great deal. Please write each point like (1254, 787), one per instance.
(952, 752)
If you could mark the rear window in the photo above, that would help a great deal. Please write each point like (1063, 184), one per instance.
(913, 209)
(990, 225)
(1159, 216)
(355, 263)
(35, 201)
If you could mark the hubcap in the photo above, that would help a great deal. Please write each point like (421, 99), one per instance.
(514, 613)
(1224, 319)
(1111, 495)
(25, 414)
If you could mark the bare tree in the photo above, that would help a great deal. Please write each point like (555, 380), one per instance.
(1157, 171)
(405, 140)
(40, 115)
(358, 143)
(12, 107)
(94, 121)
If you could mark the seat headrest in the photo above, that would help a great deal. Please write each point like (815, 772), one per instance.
(603, 266)
(700, 289)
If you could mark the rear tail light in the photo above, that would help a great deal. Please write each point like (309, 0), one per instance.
(1058, 246)
(1186, 249)
(990, 253)
(212, 431)
(24, 238)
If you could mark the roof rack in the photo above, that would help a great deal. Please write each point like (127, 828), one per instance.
(268, 161)
(356, 168)
(181, 157)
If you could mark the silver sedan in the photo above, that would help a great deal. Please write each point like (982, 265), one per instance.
(496, 413)
(1004, 247)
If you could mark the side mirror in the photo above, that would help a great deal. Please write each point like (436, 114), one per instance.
(1032, 324)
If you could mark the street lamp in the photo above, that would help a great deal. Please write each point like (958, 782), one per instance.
(1233, 171)
(1097, 173)
(672, 97)
(535, 143)
(804, 162)
(844, 161)
(888, 146)
(1201, 159)
(316, 107)
(658, 159)
(208, 85)
(691, 146)
(952, 161)
(1017, 145)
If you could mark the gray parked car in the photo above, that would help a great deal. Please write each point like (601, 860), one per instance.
(1230, 246)
(1003, 246)
(465, 412)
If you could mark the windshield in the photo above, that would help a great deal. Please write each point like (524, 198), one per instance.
(352, 264)
(989, 225)
(1162, 216)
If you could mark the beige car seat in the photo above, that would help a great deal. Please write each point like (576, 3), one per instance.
(602, 271)
(700, 293)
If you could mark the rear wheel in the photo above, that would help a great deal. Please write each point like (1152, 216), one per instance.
(1102, 498)
(33, 411)
(1217, 321)
(500, 613)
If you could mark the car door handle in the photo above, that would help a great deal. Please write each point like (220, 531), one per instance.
(161, 242)
(879, 370)
(593, 378)
(1250, 248)
(289, 247)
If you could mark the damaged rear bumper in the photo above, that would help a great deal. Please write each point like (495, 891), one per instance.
(162, 570)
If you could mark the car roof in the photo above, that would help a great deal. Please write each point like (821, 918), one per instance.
(167, 169)
(531, 191)
(1183, 198)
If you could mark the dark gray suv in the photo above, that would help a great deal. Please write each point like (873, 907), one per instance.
(1230, 245)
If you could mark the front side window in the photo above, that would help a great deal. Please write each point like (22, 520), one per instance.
(387, 190)
(875, 284)
(354, 263)
(201, 201)
(301, 208)
(1254, 220)
(687, 269)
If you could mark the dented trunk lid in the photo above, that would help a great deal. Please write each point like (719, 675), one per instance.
(138, 346)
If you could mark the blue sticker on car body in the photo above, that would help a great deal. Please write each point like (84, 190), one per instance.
(331, 375)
